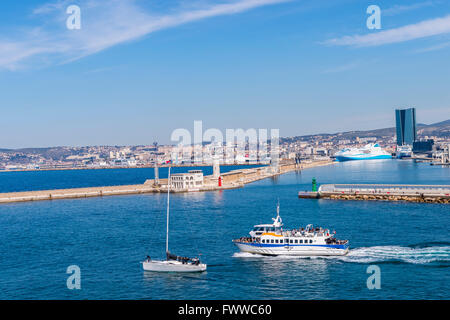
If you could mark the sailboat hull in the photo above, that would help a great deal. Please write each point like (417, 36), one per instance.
(173, 262)
(172, 266)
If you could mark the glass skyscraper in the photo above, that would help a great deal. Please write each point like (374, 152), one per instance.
(406, 126)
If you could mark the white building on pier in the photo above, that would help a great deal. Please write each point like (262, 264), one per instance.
(191, 180)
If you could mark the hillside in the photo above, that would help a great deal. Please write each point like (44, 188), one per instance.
(440, 129)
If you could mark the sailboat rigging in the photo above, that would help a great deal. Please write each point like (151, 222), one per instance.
(173, 263)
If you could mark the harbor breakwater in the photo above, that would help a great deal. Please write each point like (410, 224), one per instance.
(382, 192)
(230, 180)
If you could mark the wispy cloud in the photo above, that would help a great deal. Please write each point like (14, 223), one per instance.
(104, 25)
(434, 48)
(47, 8)
(424, 29)
(397, 9)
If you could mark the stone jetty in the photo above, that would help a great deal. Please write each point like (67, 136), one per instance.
(382, 192)
(229, 180)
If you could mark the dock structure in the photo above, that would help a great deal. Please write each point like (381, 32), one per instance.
(230, 180)
(386, 192)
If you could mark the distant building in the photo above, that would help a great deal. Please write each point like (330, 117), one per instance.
(405, 120)
(191, 180)
(423, 146)
(366, 139)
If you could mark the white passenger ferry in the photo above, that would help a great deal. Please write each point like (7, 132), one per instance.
(368, 152)
(271, 239)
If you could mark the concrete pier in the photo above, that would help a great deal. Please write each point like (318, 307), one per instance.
(230, 180)
(386, 192)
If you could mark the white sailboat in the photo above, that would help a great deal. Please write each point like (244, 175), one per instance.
(173, 263)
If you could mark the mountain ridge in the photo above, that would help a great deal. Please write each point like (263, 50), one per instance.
(441, 128)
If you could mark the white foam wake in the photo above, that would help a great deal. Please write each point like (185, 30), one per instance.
(246, 255)
(398, 254)
(376, 254)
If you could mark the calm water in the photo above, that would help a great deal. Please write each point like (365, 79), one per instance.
(107, 237)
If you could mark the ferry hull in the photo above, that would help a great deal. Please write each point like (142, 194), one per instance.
(296, 250)
(350, 158)
(172, 266)
(402, 155)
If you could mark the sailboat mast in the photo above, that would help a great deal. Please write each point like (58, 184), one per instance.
(168, 197)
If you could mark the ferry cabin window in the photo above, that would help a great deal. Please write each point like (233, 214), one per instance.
(291, 241)
(296, 241)
(271, 241)
(310, 241)
(276, 241)
(301, 241)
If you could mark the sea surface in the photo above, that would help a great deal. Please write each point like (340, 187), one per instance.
(108, 237)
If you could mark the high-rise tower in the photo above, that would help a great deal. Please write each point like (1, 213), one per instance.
(405, 120)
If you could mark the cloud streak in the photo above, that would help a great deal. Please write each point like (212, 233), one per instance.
(424, 29)
(434, 48)
(397, 9)
(104, 24)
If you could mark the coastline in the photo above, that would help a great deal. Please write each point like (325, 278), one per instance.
(133, 167)
(235, 179)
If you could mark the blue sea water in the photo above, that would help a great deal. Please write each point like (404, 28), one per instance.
(108, 237)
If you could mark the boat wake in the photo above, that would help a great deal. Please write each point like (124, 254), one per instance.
(416, 254)
(423, 253)
(247, 255)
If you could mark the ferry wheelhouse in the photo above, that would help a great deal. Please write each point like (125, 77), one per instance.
(273, 240)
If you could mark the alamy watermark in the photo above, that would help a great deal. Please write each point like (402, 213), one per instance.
(374, 280)
(374, 20)
(74, 280)
(73, 22)
(236, 145)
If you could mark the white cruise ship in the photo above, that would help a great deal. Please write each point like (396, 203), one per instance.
(271, 239)
(368, 152)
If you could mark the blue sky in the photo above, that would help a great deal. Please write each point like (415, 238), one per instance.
(138, 69)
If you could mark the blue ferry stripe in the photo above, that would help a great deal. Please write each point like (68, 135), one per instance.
(271, 245)
(347, 158)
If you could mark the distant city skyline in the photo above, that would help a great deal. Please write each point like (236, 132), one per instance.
(137, 70)
(367, 134)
